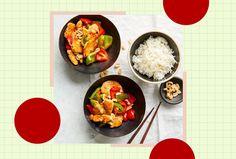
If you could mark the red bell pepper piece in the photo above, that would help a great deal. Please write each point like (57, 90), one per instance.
(127, 102)
(70, 40)
(113, 91)
(68, 47)
(90, 108)
(125, 117)
(131, 98)
(124, 105)
(131, 114)
(102, 55)
(112, 94)
(86, 21)
(101, 30)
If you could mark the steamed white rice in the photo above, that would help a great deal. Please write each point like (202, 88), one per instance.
(154, 58)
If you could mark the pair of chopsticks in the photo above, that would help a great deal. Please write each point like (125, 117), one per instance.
(141, 125)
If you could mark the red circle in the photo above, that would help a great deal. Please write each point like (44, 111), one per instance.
(186, 12)
(172, 148)
(37, 120)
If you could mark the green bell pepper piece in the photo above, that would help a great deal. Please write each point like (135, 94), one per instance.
(122, 96)
(94, 94)
(105, 41)
(119, 106)
(83, 40)
(91, 58)
(102, 96)
(93, 102)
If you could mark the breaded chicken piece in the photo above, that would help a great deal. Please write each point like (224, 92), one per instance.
(76, 47)
(79, 24)
(69, 30)
(112, 120)
(72, 57)
(100, 118)
(108, 106)
(98, 109)
(96, 118)
(90, 46)
(116, 121)
(93, 29)
(106, 86)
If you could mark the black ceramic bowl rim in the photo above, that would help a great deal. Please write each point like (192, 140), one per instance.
(100, 68)
(96, 128)
(164, 98)
(154, 81)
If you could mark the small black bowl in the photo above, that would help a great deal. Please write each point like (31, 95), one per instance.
(113, 51)
(140, 40)
(127, 127)
(178, 99)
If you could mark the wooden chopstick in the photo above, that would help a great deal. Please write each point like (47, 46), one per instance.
(149, 125)
(140, 126)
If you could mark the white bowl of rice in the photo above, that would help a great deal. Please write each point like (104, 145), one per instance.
(154, 57)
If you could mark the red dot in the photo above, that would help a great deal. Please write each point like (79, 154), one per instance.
(37, 120)
(172, 148)
(186, 12)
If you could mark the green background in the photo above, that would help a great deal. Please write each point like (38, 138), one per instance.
(210, 54)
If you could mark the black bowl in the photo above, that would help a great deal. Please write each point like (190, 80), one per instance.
(178, 99)
(139, 106)
(113, 50)
(173, 46)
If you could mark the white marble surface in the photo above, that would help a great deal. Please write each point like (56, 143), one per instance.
(70, 86)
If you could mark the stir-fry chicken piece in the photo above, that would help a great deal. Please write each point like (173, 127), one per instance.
(106, 86)
(98, 109)
(72, 57)
(79, 32)
(94, 28)
(106, 118)
(116, 121)
(79, 24)
(69, 30)
(112, 120)
(108, 106)
(90, 45)
(85, 31)
(96, 118)
(76, 47)
(100, 118)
